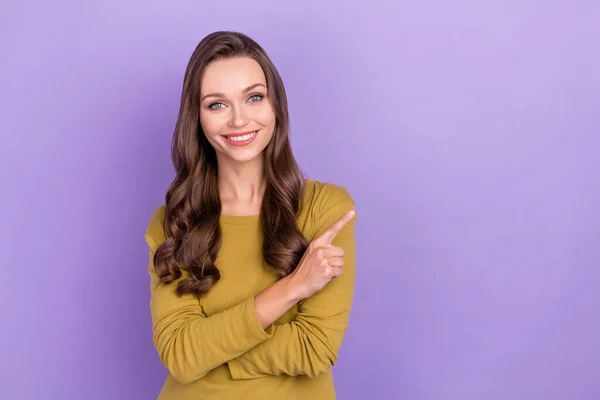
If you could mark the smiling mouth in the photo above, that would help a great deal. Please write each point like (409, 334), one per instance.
(240, 134)
(242, 138)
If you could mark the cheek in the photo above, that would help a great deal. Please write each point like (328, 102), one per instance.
(264, 116)
(211, 124)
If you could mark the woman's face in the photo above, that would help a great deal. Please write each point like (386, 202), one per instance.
(236, 114)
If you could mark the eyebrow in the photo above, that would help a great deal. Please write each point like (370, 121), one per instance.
(249, 88)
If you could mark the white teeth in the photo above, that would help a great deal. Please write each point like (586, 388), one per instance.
(242, 138)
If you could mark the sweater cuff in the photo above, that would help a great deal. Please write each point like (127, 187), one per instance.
(254, 324)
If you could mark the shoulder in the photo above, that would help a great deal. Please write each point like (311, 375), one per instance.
(323, 195)
(155, 231)
(326, 203)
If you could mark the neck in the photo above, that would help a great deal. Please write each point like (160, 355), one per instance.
(242, 183)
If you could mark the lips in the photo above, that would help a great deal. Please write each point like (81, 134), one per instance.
(238, 134)
(235, 139)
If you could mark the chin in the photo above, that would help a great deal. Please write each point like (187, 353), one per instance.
(244, 158)
(244, 155)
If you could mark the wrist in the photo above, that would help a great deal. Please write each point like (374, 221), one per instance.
(292, 289)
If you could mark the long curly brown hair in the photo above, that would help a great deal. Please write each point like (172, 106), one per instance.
(193, 205)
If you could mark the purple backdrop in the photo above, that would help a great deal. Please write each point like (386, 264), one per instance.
(466, 132)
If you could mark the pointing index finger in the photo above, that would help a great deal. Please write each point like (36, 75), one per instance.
(329, 234)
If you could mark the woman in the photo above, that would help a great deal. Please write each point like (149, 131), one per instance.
(243, 305)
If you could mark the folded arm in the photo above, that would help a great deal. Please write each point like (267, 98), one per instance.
(189, 343)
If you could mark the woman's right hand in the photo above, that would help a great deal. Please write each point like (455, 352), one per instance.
(321, 262)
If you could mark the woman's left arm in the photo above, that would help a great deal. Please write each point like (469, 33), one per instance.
(309, 345)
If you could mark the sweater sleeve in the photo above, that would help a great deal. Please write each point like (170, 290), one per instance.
(189, 343)
(309, 344)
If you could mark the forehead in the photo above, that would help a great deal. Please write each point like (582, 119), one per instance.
(231, 76)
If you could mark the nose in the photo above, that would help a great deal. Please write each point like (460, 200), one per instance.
(238, 117)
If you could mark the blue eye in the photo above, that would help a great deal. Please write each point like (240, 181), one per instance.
(253, 99)
(212, 106)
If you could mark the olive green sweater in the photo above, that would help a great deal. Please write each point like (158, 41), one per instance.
(214, 347)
